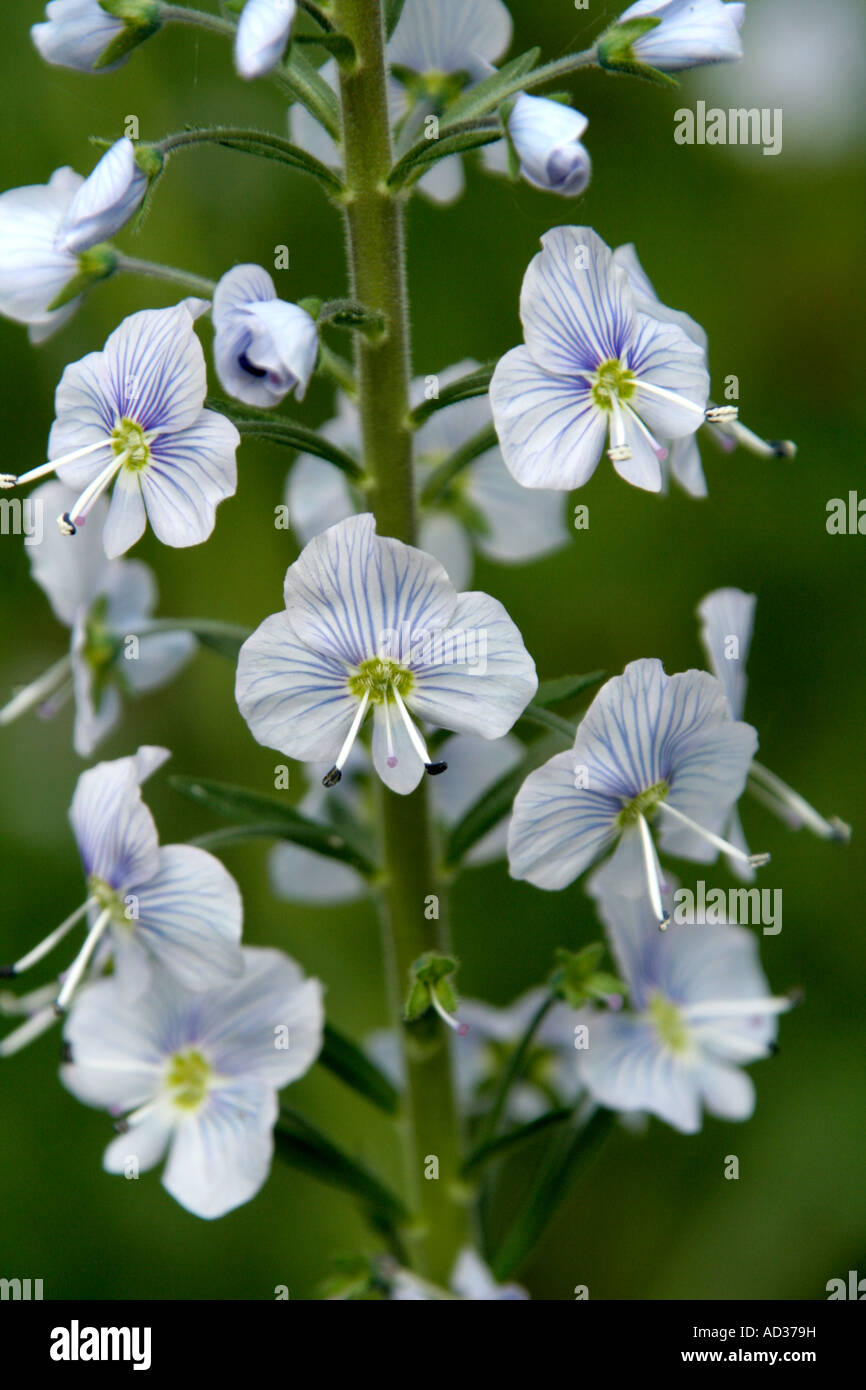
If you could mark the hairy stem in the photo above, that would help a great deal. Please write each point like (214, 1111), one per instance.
(375, 239)
(196, 284)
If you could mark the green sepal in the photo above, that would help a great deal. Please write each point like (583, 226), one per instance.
(353, 1277)
(150, 160)
(93, 265)
(616, 54)
(429, 975)
(393, 11)
(348, 313)
(488, 94)
(141, 18)
(577, 978)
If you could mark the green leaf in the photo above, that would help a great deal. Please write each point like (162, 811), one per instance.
(575, 1152)
(338, 45)
(446, 472)
(422, 155)
(535, 714)
(302, 79)
(506, 1143)
(616, 54)
(475, 383)
(283, 152)
(265, 817)
(288, 433)
(560, 688)
(430, 975)
(577, 977)
(393, 11)
(341, 1056)
(348, 313)
(512, 1071)
(304, 1147)
(487, 95)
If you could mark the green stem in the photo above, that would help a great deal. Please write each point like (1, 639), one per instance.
(512, 1072)
(374, 221)
(198, 19)
(262, 143)
(197, 284)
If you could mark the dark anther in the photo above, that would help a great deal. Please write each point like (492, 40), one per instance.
(248, 366)
(66, 1052)
(7, 972)
(67, 521)
(433, 769)
(331, 778)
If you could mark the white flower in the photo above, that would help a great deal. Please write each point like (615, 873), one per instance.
(105, 201)
(546, 135)
(690, 34)
(263, 347)
(372, 624)
(470, 1279)
(75, 33)
(103, 602)
(199, 1072)
(34, 267)
(263, 31)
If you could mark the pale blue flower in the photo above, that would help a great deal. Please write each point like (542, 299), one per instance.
(594, 364)
(651, 748)
(173, 906)
(105, 201)
(263, 32)
(75, 34)
(470, 1280)
(482, 509)
(104, 603)
(547, 138)
(727, 620)
(264, 348)
(372, 623)
(691, 33)
(199, 1072)
(700, 1009)
(133, 415)
(34, 267)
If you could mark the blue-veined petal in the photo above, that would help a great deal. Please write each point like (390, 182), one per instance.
(626, 1067)
(450, 36)
(114, 829)
(188, 915)
(395, 757)
(156, 369)
(550, 431)
(575, 303)
(221, 1155)
(557, 828)
(72, 571)
(263, 31)
(189, 473)
(727, 622)
(105, 201)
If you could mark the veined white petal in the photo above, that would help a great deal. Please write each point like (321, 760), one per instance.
(550, 430)
(727, 622)
(263, 31)
(188, 915)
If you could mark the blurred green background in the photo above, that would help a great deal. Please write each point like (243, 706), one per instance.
(768, 254)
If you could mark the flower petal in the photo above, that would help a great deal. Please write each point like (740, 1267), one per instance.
(557, 828)
(626, 1067)
(395, 759)
(127, 517)
(72, 571)
(221, 1155)
(189, 473)
(114, 829)
(143, 1145)
(189, 914)
(550, 431)
(156, 369)
(575, 304)
(727, 622)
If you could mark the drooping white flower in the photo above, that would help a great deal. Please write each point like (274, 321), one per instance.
(34, 267)
(133, 415)
(594, 365)
(104, 603)
(105, 201)
(727, 620)
(547, 138)
(470, 1279)
(263, 32)
(700, 1009)
(690, 33)
(371, 623)
(198, 1072)
(263, 347)
(171, 906)
(482, 508)
(75, 34)
(651, 748)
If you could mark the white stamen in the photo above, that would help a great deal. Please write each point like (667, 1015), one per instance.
(28, 1032)
(390, 755)
(37, 691)
(414, 736)
(793, 808)
(51, 940)
(53, 464)
(619, 452)
(754, 861)
(79, 965)
(732, 1042)
(737, 1008)
(662, 391)
(79, 509)
(653, 874)
(659, 450)
(353, 732)
(721, 414)
(461, 1029)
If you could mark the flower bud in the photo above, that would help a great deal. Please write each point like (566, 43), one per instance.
(263, 31)
(106, 200)
(263, 347)
(546, 137)
(659, 36)
(94, 35)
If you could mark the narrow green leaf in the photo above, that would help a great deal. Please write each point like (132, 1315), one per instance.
(283, 152)
(512, 1071)
(486, 812)
(475, 383)
(265, 817)
(338, 45)
(225, 638)
(393, 11)
(568, 1159)
(507, 1143)
(422, 155)
(304, 1147)
(461, 458)
(560, 688)
(302, 79)
(341, 1056)
(535, 714)
(487, 95)
(288, 433)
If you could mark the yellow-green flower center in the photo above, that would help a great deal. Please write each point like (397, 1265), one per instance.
(379, 677)
(108, 899)
(612, 382)
(669, 1023)
(643, 804)
(129, 438)
(188, 1078)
